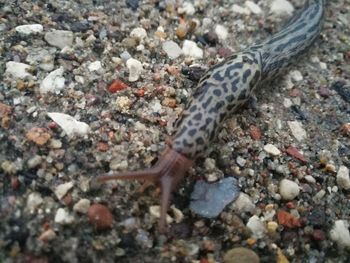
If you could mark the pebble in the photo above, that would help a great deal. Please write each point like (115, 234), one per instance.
(62, 189)
(310, 179)
(343, 178)
(289, 189)
(241, 255)
(18, 70)
(34, 200)
(63, 217)
(29, 29)
(69, 125)
(139, 33)
(296, 76)
(47, 235)
(135, 69)
(288, 220)
(100, 216)
(95, 66)
(42, 57)
(82, 206)
(59, 38)
(38, 135)
(340, 234)
(34, 161)
(117, 85)
(125, 56)
(297, 130)
(240, 10)
(191, 49)
(54, 82)
(253, 7)
(243, 204)
(8, 167)
(241, 161)
(172, 49)
(281, 8)
(272, 149)
(221, 32)
(154, 210)
(187, 8)
(272, 227)
(208, 200)
(292, 151)
(257, 227)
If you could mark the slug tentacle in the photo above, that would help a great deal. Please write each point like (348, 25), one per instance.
(167, 173)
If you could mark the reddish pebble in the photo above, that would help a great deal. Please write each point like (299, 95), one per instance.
(52, 125)
(295, 93)
(286, 219)
(100, 216)
(102, 146)
(318, 235)
(141, 92)
(15, 182)
(292, 151)
(67, 200)
(117, 85)
(255, 132)
(345, 129)
(324, 92)
(290, 205)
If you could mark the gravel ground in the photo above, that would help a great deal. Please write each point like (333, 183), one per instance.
(94, 86)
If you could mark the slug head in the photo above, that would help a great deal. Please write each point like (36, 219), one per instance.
(167, 173)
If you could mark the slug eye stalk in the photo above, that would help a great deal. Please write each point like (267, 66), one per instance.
(167, 173)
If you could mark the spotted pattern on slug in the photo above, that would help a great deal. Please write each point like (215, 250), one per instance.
(227, 85)
(220, 92)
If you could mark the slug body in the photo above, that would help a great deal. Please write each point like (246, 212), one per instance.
(221, 91)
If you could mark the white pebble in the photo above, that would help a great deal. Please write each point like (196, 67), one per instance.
(296, 75)
(135, 69)
(59, 38)
(34, 161)
(281, 8)
(18, 70)
(287, 103)
(310, 179)
(29, 29)
(138, 33)
(172, 49)
(289, 189)
(221, 31)
(297, 130)
(82, 206)
(243, 204)
(155, 212)
(240, 10)
(191, 49)
(340, 233)
(272, 149)
(187, 8)
(253, 7)
(53, 82)
(34, 200)
(95, 66)
(63, 217)
(256, 226)
(62, 189)
(69, 125)
(240, 161)
(343, 178)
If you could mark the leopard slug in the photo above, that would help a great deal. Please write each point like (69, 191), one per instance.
(220, 92)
